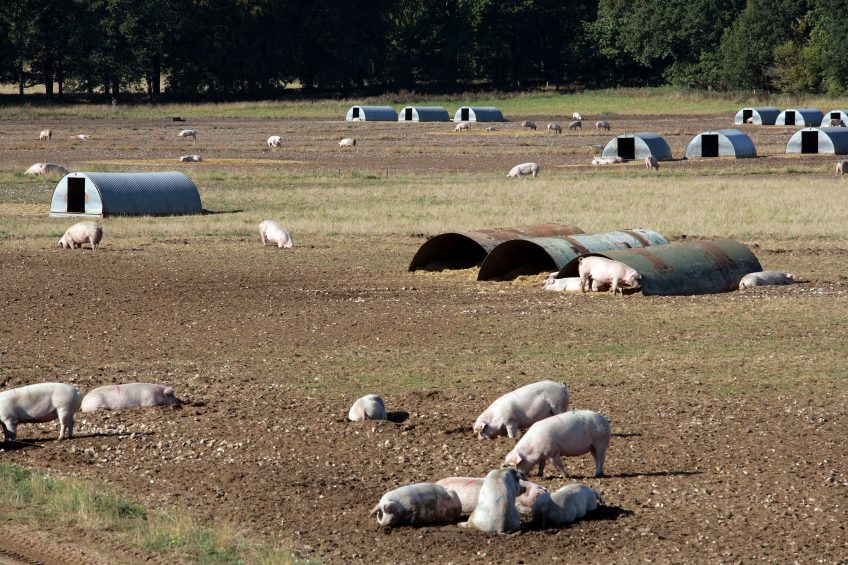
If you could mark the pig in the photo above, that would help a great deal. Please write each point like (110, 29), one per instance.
(575, 125)
(571, 284)
(841, 168)
(570, 434)
(188, 133)
(524, 169)
(347, 142)
(462, 126)
(528, 124)
(416, 505)
(275, 141)
(836, 123)
(82, 232)
(556, 128)
(750, 120)
(39, 403)
(607, 271)
(521, 408)
(651, 163)
(80, 137)
(468, 490)
(131, 395)
(576, 116)
(191, 159)
(532, 492)
(270, 230)
(603, 125)
(46, 134)
(369, 407)
(496, 511)
(46, 169)
(491, 128)
(764, 278)
(567, 505)
(598, 160)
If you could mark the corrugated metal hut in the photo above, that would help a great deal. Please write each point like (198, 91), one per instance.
(835, 115)
(125, 194)
(423, 114)
(764, 116)
(809, 117)
(638, 146)
(721, 143)
(819, 140)
(371, 114)
(693, 267)
(478, 114)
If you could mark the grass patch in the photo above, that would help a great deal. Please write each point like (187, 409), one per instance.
(42, 501)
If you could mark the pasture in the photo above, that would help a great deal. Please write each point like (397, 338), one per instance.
(728, 411)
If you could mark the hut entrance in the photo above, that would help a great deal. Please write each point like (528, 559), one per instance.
(789, 118)
(355, 112)
(464, 115)
(408, 114)
(834, 115)
(76, 196)
(809, 142)
(746, 115)
(627, 147)
(709, 145)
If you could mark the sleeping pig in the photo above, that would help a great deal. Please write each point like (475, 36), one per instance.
(416, 505)
(132, 395)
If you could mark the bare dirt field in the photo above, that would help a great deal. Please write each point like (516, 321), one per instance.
(728, 411)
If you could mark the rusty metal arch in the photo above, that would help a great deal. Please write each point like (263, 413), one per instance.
(463, 250)
(545, 254)
(692, 267)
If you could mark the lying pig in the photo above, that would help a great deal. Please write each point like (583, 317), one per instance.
(524, 169)
(39, 403)
(369, 407)
(571, 284)
(46, 169)
(567, 505)
(468, 490)
(607, 160)
(191, 159)
(570, 434)
(270, 230)
(132, 395)
(520, 408)
(765, 278)
(416, 505)
(532, 492)
(496, 511)
(607, 271)
(81, 232)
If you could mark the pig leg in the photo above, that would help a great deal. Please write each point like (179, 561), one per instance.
(557, 461)
(264, 241)
(10, 430)
(599, 453)
(542, 467)
(512, 429)
(66, 425)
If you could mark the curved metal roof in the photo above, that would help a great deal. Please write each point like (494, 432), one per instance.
(372, 113)
(478, 114)
(646, 143)
(423, 114)
(762, 116)
(834, 115)
(803, 117)
(829, 140)
(731, 143)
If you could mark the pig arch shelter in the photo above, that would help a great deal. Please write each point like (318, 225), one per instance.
(372, 114)
(819, 140)
(125, 194)
(764, 116)
(722, 143)
(638, 146)
(478, 114)
(423, 114)
(809, 117)
(835, 115)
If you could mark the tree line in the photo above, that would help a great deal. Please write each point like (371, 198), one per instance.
(253, 49)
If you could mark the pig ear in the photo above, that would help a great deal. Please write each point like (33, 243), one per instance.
(169, 391)
(375, 510)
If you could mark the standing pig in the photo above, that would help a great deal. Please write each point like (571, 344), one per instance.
(496, 511)
(764, 278)
(82, 232)
(570, 434)
(39, 403)
(131, 395)
(524, 169)
(521, 408)
(416, 505)
(270, 230)
(369, 407)
(567, 505)
(606, 271)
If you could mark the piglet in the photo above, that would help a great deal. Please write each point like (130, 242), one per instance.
(369, 407)
(416, 505)
(520, 408)
(81, 232)
(39, 403)
(496, 511)
(570, 434)
(270, 230)
(607, 271)
(567, 505)
(131, 395)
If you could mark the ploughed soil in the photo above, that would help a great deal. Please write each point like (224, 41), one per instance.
(729, 435)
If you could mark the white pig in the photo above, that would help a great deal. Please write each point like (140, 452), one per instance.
(188, 133)
(841, 168)
(79, 233)
(521, 408)
(416, 505)
(524, 169)
(571, 284)
(607, 160)
(270, 230)
(191, 159)
(532, 492)
(46, 169)
(46, 134)
(369, 407)
(39, 403)
(462, 126)
(651, 163)
(607, 271)
(496, 511)
(130, 395)
(468, 490)
(570, 434)
(567, 505)
(764, 278)
(275, 141)
(347, 142)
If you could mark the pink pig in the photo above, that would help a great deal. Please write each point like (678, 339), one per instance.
(606, 271)
(132, 395)
(520, 408)
(39, 403)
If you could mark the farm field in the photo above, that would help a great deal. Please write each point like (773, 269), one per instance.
(728, 411)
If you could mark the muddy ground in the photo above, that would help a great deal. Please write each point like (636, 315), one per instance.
(728, 411)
